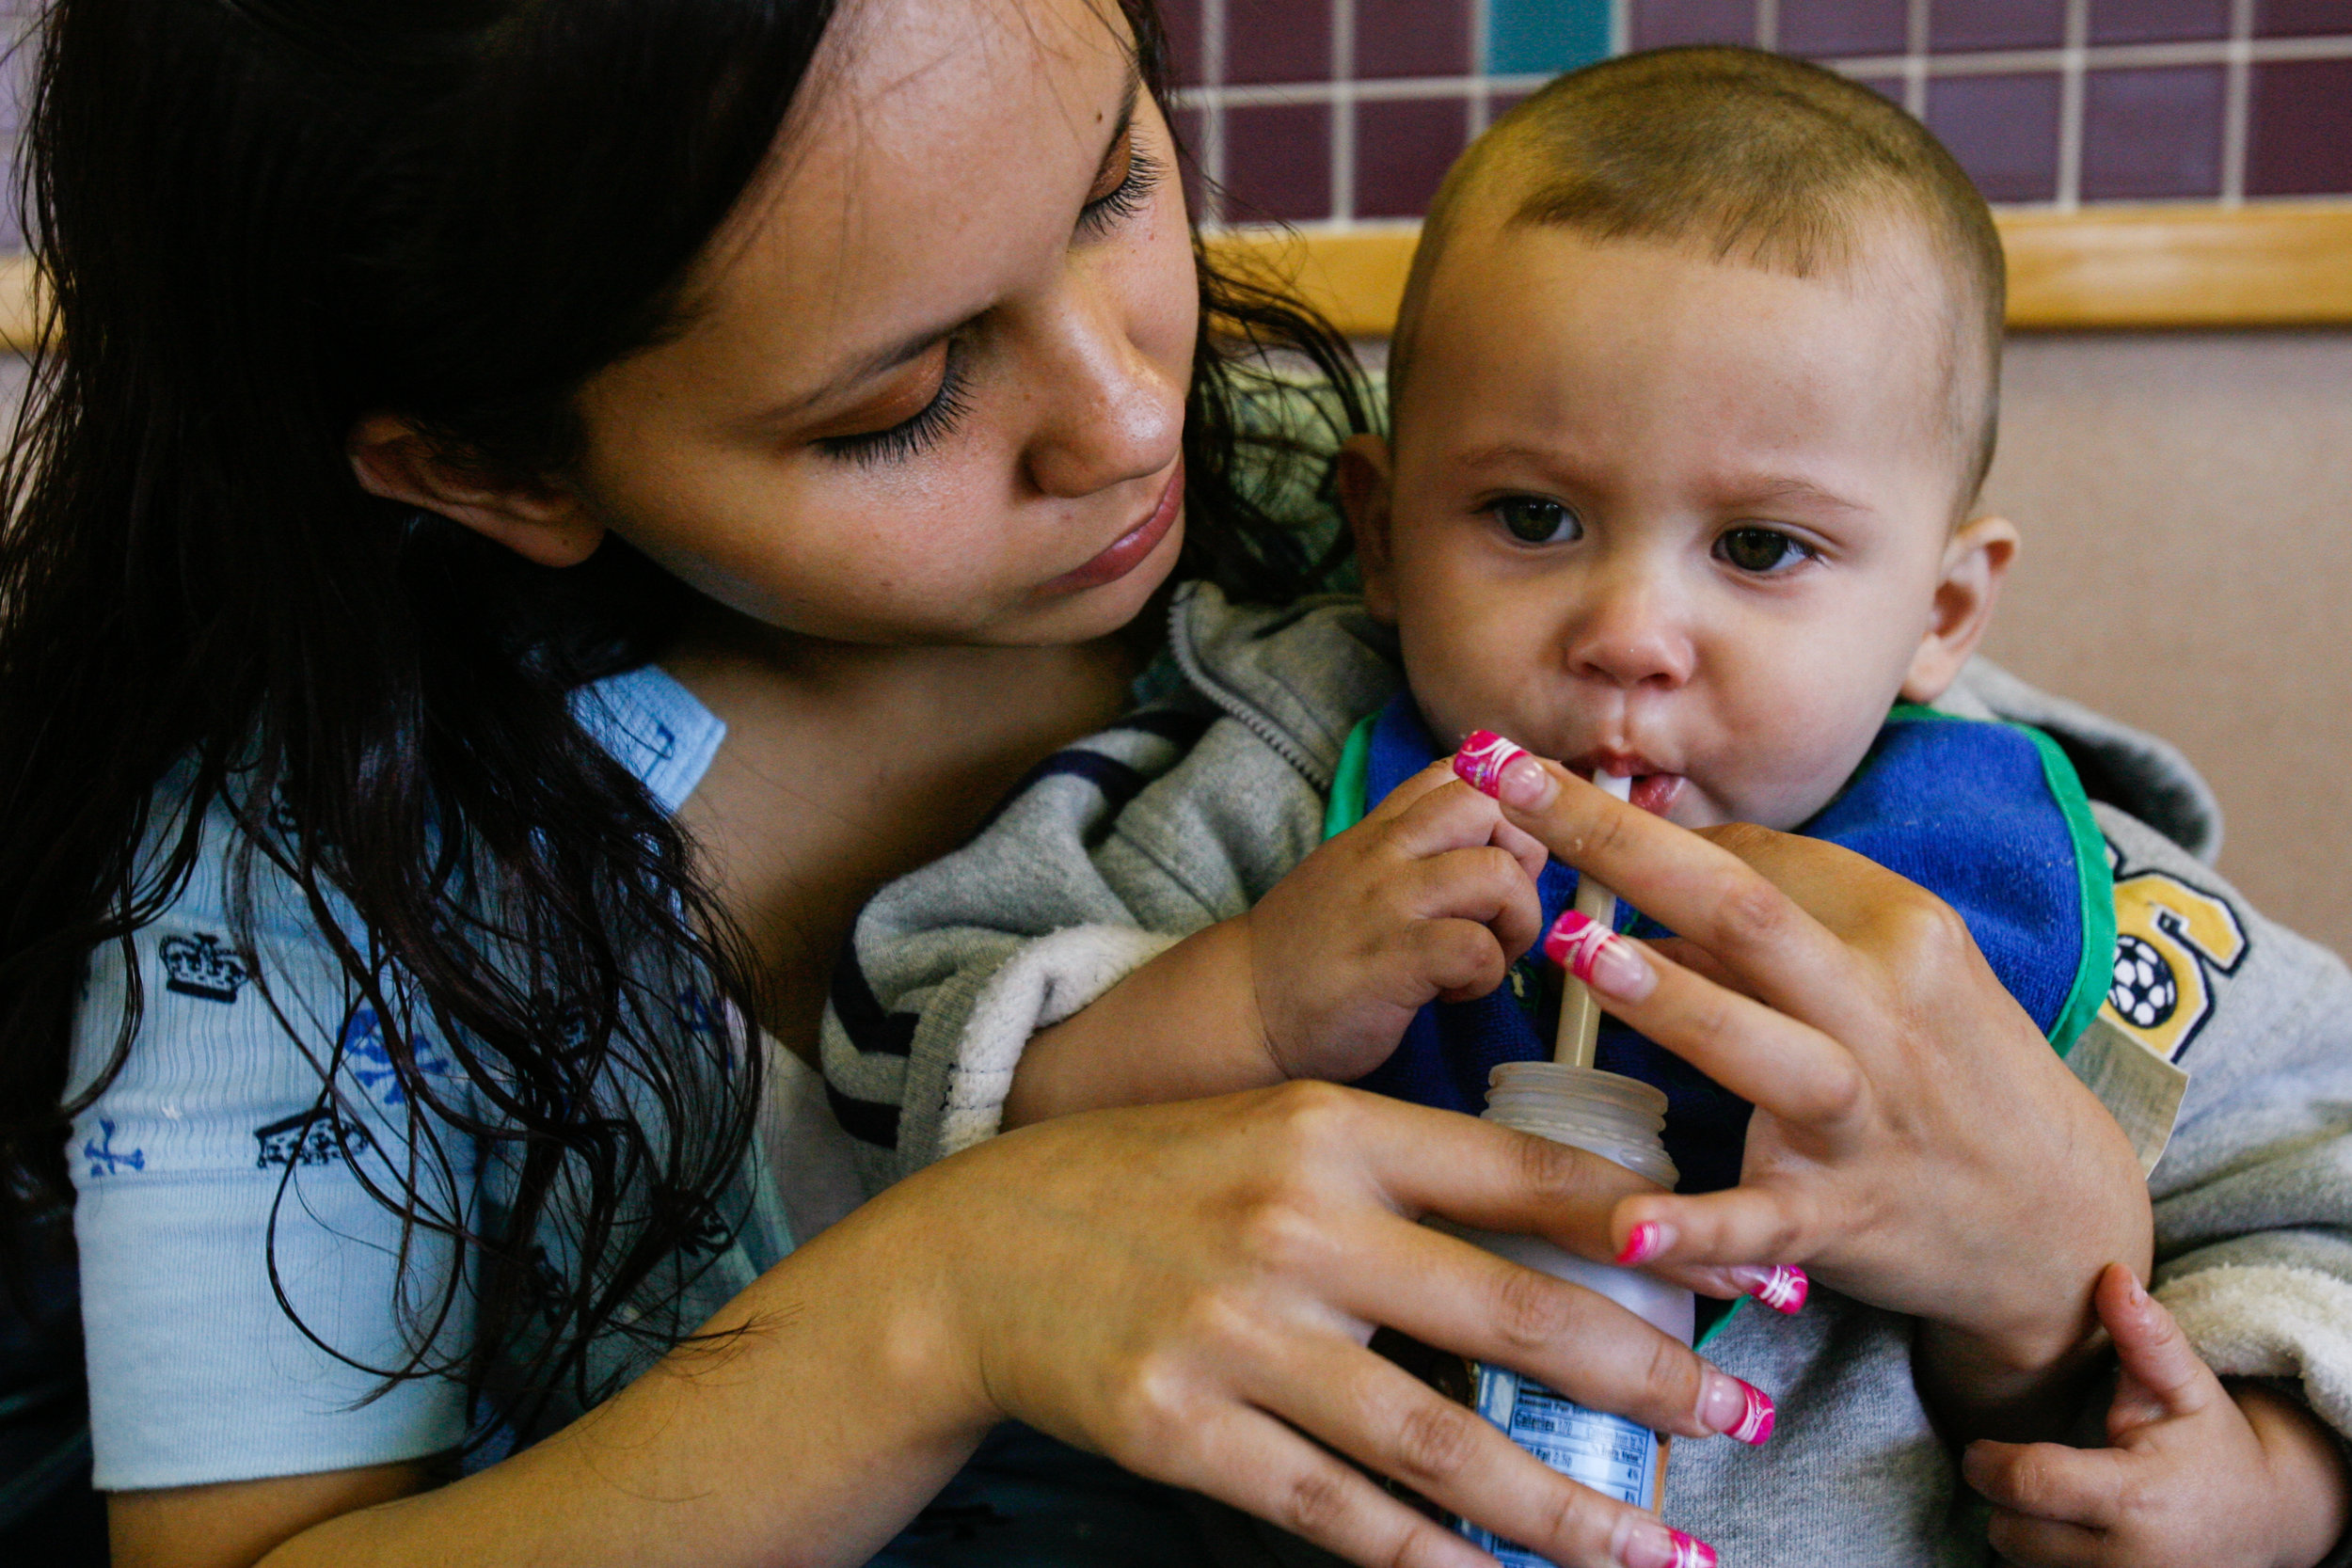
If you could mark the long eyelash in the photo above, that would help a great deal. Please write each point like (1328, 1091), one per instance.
(914, 436)
(1127, 196)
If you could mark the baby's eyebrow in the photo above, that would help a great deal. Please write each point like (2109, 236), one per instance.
(1765, 489)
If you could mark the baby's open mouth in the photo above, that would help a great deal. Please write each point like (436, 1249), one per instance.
(1655, 792)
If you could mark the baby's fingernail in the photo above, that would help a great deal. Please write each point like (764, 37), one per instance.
(1783, 1287)
(1649, 1239)
(1526, 784)
(1736, 1409)
(1650, 1544)
(1599, 956)
(1482, 759)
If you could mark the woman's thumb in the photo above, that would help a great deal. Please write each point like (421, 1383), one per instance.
(2157, 1357)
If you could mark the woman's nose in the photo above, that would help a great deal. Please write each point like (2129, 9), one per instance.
(1108, 412)
(1633, 631)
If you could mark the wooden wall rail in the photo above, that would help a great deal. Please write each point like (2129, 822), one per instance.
(2271, 264)
(2266, 266)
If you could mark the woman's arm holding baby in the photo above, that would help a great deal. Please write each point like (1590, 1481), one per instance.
(1431, 895)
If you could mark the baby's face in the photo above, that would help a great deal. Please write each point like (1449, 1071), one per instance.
(1653, 514)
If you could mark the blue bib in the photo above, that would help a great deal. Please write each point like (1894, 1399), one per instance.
(1990, 817)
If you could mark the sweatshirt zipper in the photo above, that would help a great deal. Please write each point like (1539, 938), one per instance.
(1257, 723)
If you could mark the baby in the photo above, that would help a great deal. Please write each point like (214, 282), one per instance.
(1693, 393)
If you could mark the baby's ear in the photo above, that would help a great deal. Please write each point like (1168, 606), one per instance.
(538, 520)
(1366, 489)
(1975, 561)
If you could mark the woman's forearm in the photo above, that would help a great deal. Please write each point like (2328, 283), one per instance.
(826, 1408)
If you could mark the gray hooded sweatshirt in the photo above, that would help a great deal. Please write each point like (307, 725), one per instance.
(2225, 1050)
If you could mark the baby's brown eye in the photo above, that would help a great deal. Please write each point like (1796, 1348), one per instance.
(1759, 549)
(1534, 520)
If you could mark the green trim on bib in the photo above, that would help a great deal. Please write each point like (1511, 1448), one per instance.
(1347, 803)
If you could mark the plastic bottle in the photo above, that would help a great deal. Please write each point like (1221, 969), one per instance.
(1618, 1119)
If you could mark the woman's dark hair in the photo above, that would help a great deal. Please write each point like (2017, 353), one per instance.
(256, 221)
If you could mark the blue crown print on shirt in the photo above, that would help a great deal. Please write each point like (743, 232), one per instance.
(370, 1060)
(311, 1137)
(200, 966)
(106, 1159)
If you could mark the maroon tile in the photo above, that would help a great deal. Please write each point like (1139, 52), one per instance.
(1403, 149)
(1278, 41)
(2160, 21)
(2298, 19)
(2298, 133)
(1657, 23)
(2152, 134)
(1179, 20)
(1955, 26)
(1412, 38)
(2004, 130)
(1892, 89)
(1277, 162)
(1826, 27)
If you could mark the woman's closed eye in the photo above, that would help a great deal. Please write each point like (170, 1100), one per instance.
(1131, 175)
(1536, 519)
(914, 435)
(1763, 551)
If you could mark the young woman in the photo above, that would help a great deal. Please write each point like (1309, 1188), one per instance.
(535, 509)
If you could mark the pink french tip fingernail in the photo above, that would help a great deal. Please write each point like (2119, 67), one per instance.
(1482, 759)
(1654, 1546)
(1599, 956)
(1649, 1239)
(1756, 1423)
(1783, 1287)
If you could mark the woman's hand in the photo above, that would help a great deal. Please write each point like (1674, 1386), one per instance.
(1188, 1288)
(1184, 1288)
(1917, 1143)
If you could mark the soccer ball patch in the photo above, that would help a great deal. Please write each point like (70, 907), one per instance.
(2143, 990)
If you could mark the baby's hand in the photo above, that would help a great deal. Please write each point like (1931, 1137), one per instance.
(2195, 1474)
(1431, 896)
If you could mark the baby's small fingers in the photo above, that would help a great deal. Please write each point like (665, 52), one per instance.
(1408, 794)
(1522, 847)
(2048, 1481)
(1460, 959)
(2030, 1543)
(2151, 1346)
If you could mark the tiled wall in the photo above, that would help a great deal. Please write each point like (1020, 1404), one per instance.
(1327, 113)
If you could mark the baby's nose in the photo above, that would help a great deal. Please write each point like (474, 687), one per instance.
(1633, 634)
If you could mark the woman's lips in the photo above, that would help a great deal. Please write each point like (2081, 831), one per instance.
(1129, 550)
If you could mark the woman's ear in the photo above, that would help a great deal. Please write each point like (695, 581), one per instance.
(539, 521)
(1365, 493)
(1974, 563)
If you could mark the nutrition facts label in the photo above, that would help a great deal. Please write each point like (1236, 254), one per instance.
(1615, 1457)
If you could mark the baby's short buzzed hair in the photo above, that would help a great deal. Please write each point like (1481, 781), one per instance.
(1761, 159)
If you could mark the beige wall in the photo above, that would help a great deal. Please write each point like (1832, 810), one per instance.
(2187, 502)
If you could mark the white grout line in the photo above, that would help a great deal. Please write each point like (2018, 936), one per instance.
(2237, 95)
(1768, 24)
(1343, 110)
(2070, 147)
(1482, 106)
(1210, 103)
(1913, 61)
(1620, 26)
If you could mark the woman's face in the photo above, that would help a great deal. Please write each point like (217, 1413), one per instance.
(932, 388)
